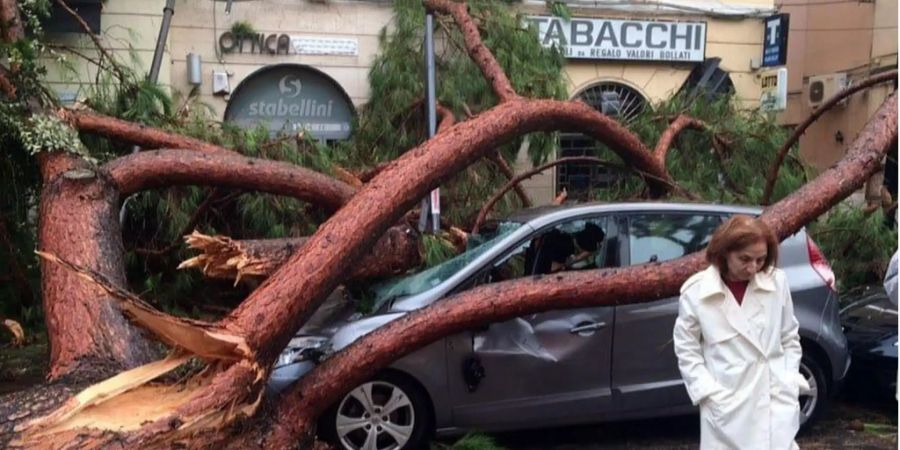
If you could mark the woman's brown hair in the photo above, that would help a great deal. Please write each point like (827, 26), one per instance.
(736, 233)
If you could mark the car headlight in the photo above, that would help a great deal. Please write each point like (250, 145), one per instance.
(303, 348)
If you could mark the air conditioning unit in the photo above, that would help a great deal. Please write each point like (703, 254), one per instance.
(823, 87)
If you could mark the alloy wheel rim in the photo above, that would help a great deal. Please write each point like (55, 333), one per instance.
(809, 400)
(375, 416)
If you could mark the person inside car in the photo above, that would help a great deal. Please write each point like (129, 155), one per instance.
(553, 249)
(588, 246)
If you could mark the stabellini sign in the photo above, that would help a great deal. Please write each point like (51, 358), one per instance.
(292, 98)
(631, 40)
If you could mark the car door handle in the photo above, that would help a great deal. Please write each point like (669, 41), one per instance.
(587, 328)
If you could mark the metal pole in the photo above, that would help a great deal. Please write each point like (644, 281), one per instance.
(427, 208)
(168, 11)
(435, 201)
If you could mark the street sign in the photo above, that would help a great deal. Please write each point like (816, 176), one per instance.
(775, 40)
(774, 90)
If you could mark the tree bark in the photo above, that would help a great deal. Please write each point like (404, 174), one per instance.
(395, 253)
(164, 168)
(79, 222)
(675, 128)
(12, 24)
(133, 133)
(482, 56)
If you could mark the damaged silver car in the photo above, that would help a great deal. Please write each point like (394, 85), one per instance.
(560, 367)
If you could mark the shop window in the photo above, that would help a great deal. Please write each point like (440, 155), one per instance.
(581, 179)
(708, 81)
(60, 21)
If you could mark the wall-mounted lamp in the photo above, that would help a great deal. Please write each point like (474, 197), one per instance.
(194, 73)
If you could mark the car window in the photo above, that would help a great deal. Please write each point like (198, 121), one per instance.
(427, 279)
(575, 245)
(661, 237)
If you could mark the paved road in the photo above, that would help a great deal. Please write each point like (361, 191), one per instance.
(848, 424)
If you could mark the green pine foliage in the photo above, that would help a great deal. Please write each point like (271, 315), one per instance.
(730, 170)
(242, 29)
(437, 248)
(858, 245)
(471, 441)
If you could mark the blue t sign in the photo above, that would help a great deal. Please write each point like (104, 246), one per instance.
(775, 40)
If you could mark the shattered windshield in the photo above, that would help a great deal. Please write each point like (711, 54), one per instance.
(427, 279)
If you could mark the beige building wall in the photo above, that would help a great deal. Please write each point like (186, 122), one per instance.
(129, 29)
(197, 26)
(132, 26)
(856, 38)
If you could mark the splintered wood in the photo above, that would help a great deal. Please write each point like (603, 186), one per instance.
(197, 337)
(225, 258)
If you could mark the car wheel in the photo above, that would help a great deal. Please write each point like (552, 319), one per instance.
(812, 403)
(389, 412)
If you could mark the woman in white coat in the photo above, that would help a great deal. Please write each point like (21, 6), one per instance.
(737, 344)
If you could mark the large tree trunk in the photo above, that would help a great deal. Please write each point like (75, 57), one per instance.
(79, 222)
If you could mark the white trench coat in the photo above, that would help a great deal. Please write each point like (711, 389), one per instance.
(740, 363)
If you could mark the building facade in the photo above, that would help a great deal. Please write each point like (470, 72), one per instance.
(308, 60)
(833, 44)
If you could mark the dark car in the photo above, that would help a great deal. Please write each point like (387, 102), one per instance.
(560, 367)
(870, 324)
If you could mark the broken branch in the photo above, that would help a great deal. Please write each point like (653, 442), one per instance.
(132, 133)
(224, 258)
(504, 167)
(200, 338)
(668, 136)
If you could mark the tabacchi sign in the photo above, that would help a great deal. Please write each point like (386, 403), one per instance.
(633, 40)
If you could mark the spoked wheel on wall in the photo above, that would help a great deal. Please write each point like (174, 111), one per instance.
(813, 402)
(387, 413)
